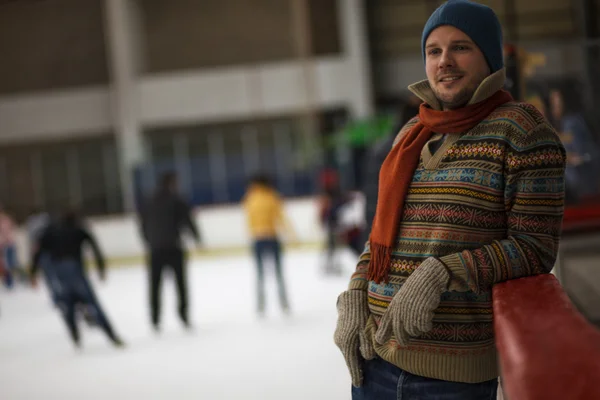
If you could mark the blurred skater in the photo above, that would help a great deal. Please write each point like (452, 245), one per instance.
(61, 250)
(265, 216)
(163, 221)
(8, 250)
(332, 204)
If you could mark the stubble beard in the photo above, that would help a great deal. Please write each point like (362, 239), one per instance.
(452, 102)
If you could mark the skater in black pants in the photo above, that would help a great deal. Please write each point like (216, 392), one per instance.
(60, 248)
(163, 221)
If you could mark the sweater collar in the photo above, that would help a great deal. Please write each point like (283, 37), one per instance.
(487, 87)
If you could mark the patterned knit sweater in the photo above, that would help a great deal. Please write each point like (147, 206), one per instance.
(489, 204)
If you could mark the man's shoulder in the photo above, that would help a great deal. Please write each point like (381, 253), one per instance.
(523, 115)
(523, 126)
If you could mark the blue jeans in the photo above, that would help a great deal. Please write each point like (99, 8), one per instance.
(52, 282)
(269, 248)
(72, 288)
(385, 381)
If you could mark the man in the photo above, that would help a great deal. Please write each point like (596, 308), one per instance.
(266, 218)
(163, 220)
(471, 194)
(61, 246)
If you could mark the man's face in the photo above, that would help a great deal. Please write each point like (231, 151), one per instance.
(455, 66)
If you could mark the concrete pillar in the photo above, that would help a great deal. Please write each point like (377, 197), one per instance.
(125, 55)
(354, 36)
(310, 119)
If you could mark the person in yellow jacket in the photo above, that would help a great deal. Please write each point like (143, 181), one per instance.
(266, 220)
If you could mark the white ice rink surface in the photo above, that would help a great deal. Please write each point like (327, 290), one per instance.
(231, 354)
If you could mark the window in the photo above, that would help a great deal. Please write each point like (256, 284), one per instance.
(54, 175)
(214, 162)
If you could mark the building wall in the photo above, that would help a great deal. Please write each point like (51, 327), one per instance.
(176, 98)
(54, 114)
(188, 34)
(49, 45)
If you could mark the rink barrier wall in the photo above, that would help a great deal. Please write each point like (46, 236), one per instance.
(547, 349)
(223, 230)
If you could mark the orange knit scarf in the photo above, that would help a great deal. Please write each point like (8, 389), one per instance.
(399, 166)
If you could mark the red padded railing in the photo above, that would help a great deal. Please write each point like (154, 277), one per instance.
(582, 218)
(547, 349)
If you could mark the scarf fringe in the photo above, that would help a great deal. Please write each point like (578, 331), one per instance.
(379, 264)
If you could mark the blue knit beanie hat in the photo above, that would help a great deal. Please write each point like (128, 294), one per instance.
(479, 22)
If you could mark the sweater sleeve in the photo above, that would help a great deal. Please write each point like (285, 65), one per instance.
(534, 202)
(359, 279)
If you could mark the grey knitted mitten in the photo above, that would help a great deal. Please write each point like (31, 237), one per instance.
(350, 337)
(410, 312)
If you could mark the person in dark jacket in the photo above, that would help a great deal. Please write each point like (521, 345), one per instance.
(60, 248)
(163, 221)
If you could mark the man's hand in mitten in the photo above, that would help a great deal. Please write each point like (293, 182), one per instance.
(410, 312)
(350, 337)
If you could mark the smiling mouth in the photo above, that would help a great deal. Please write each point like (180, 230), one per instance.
(450, 78)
